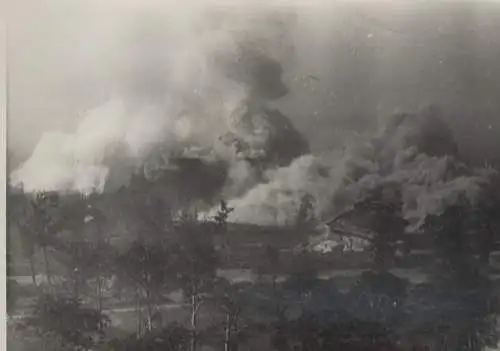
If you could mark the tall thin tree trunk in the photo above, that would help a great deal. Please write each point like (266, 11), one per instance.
(48, 273)
(33, 270)
(194, 322)
(227, 334)
(99, 294)
(76, 277)
(236, 329)
(139, 314)
(150, 311)
(276, 296)
(75, 283)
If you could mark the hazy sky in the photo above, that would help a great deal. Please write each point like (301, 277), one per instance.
(64, 58)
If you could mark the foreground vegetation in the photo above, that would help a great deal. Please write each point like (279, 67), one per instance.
(453, 310)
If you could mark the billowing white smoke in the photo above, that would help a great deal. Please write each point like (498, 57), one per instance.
(275, 201)
(171, 95)
(414, 153)
(81, 161)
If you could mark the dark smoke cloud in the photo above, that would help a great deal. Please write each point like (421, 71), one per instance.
(416, 154)
(187, 90)
(162, 87)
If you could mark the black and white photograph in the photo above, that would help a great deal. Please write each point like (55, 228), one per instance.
(249, 175)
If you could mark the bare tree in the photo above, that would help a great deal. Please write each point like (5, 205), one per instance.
(195, 262)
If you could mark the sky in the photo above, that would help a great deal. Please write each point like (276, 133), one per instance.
(347, 63)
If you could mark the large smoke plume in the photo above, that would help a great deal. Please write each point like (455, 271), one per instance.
(195, 83)
(416, 154)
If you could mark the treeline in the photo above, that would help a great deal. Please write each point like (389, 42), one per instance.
(166, 276)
